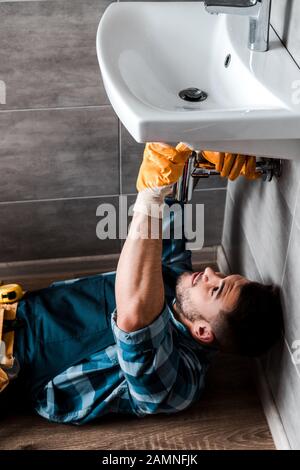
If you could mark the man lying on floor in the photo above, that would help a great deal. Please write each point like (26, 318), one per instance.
(138, 341)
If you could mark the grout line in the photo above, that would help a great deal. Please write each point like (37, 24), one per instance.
(285, 46)
(120, 157)
(3, 203)
(210, 189)
(222, 260)
(195, 191)
(291, 233)
(25, 201)
(296, 223)
(56, 108)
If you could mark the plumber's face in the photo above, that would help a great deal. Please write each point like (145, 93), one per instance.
(207, 293)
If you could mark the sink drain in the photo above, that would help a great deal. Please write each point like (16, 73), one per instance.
(227, 61)
(192, 94)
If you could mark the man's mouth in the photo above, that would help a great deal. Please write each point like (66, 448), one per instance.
(196, 277)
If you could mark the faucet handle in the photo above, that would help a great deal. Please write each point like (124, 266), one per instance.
(233, 7)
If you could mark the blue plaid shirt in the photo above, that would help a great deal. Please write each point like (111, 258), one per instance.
(157, 369)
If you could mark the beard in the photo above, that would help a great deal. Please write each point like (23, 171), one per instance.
(184, 302)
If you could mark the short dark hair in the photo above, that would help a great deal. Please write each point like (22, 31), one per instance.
(254, 325)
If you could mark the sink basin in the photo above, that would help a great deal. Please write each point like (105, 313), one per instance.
(149, 51)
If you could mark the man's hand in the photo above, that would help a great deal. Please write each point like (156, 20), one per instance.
(232, 165)
(139, 282)
(161, 167)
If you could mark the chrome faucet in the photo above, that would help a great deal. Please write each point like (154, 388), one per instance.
(259, 18)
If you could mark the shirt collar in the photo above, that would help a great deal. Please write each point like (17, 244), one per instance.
(184, 330)
(180, 326)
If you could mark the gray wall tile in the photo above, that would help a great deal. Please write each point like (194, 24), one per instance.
(214, 205)
(285, 16)
(289, 181)
(297, 208)
(213, 182)
(53, 229)
(290, 288)
(284, 382)
(59, 153)
(261, 206)
(131, 159)
(290, 284)
(48, 54)
(235, 244)
(132, 153)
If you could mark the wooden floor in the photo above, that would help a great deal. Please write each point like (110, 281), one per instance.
(229, 416)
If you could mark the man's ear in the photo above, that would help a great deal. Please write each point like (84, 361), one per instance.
(202, 332)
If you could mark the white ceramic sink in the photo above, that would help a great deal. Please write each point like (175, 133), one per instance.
(149, 51)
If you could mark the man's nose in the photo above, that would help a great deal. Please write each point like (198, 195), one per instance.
(209, 273)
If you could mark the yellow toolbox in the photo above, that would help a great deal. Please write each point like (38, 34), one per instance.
(10, 293)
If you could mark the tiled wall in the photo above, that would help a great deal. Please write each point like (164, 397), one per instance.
(261, 239)
(62, 149)
(285, 20)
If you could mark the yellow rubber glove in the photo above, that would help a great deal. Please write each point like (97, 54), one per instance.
(249, 169)
(161, 167)
(232, 165)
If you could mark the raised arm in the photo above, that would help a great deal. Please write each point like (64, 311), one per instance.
(139, 282)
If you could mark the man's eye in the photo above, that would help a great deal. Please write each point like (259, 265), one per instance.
(214, 290)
